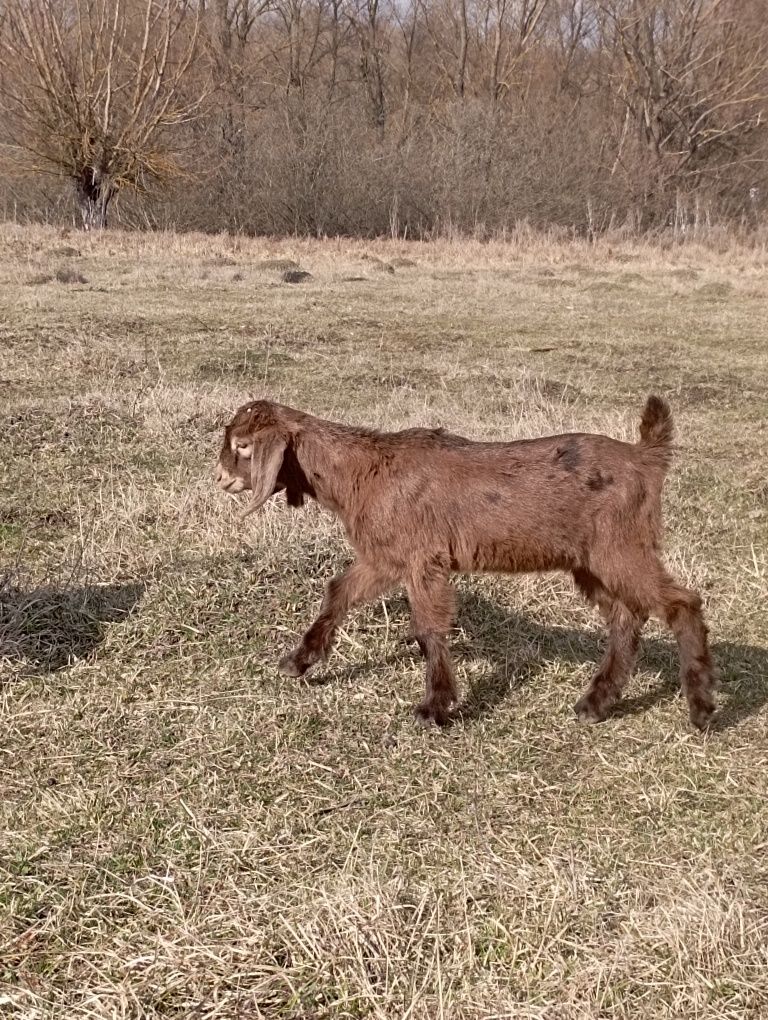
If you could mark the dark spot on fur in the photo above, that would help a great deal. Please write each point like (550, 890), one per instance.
(598, 481)
(569, 456)
(493, 497)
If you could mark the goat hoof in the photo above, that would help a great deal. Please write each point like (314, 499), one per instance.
(288, 666)
(702, 715)
(588, 712)
(428, 713)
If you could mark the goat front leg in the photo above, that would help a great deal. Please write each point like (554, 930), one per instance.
(432, 602)
(361, 582)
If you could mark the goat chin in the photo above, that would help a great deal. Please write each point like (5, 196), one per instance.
(419, 504)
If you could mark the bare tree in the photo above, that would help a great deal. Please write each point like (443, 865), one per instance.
(89, 88)
(231, 23)
(298, 47)
(692, 78)
(406, 18)
(510, 29)
(366, 18)
(574, 30)
(448, 26)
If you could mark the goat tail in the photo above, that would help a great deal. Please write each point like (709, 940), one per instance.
(657, 430)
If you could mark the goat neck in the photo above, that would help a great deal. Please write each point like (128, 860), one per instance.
(332, 457)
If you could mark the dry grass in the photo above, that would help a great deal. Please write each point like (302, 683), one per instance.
(184, 834)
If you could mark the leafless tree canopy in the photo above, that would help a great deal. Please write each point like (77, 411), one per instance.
(89, 89)
(412, 117)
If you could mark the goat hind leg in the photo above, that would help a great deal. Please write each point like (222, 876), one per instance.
(624, 627)
(644, 586)
(361, 582)
(680, 609)
(432, 605)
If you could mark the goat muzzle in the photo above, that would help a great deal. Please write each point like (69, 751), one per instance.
(227, 482)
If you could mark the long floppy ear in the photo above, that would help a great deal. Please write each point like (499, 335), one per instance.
(266, 458)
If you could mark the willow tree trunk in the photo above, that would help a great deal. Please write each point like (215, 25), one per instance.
(94, 193)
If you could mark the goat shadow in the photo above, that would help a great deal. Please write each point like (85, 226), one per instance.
(517, 645)
(45, 628)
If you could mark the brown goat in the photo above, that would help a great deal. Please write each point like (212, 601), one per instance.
(421, 503)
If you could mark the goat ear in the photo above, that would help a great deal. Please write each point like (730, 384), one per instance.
(266, 459)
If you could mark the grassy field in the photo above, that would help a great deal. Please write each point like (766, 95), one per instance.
(184, 833)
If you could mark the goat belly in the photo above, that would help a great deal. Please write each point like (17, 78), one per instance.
(512, 556)
(517, 533)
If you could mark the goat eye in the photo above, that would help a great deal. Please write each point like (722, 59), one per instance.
(243, 450)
